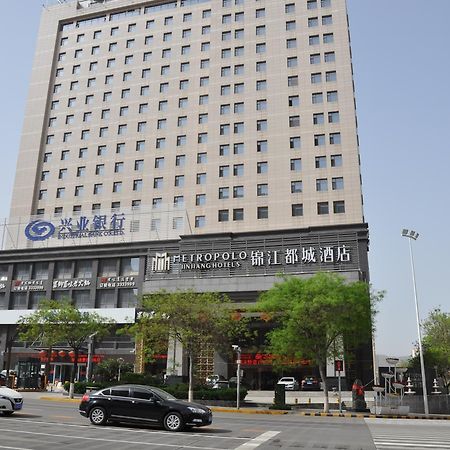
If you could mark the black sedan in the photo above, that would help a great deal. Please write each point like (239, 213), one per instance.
(144, 404)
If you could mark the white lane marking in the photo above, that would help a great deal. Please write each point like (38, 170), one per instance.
(15, 448)
(133, 430)
(387, 444)
(257, 441)
(120, 441)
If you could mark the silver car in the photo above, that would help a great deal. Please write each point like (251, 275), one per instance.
(290, 383)
(10, 401)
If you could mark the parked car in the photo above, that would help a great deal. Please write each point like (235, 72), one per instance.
(221, 384)
(310, 384)
(290, 383)
(212, 379)
(145, 404)
(10, 401)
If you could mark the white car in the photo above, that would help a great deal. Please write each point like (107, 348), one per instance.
(10, 401)
(290, 383)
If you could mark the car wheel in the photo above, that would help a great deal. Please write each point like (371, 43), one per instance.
(8, 413)
(173, 422)
(97, 415)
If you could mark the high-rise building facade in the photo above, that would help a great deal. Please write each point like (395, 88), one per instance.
(194, 142)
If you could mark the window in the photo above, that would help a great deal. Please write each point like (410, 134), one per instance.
(262, 167)
(137, 185)
(47, 157)
(239, 51)
(181, 140)
(328, 38)
(261, 105)
(224, 150)
(122, 129)
(179, 180)
(260, 12)
(294, 100)
(239, 17)
(238, 128)
(120, 148)
(201, 178)
(261, 30)
(117, 186)
(184, 67)
(317, 97)
(81, 171)
(314, 39)
(123, 111)
(294, 121)
(296, 187)
(238, 108)
(82, 153)
(337, 183)
(185, 49)
(322, 208)
(321, 184)
(204, 63)
(311, 4)
(295, 142)
(223, 215)
(330, 76)
(225, 71)
(316, 78)
(291, 25)
(332, 96)
(206, 14)
(238, 148)
(143, 108)
(60, 192)
(318, 118)
(239, 69)
(333, 117)
(339, 207)
(202, 158)
(238, 214)
(138, 165)
(314, 59)
(206, 29)
(319, 140)
(118, 168)
(161, 124)
(262, 190)
(335, 138)
(178, 201)
(336, 160)
(297, 209)
(186, 33)
(261, 47)
(203, 118)
(262, 212)
(202, 138)
(145, 90)
(261, 85)
(99, 169)
(292, 62)
(226, 35)
(261, 125)
(79, 191)
(238, 170)
(111, 62)
(226, 53)
(327, 20)
(291, 43)
(135, 204)
(182, 121)
(224, 171)
(62, 174)
(202, 99)
(321, 162)
(42, 194)
(156, 203)
(329, 57)
(200, 221)
(200, 199)
(293, 80)
(296, 164)
(204, 81)
(238, 191)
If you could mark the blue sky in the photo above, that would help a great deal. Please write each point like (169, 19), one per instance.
(401, 64)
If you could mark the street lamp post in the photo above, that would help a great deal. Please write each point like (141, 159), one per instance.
(120, 361)
(411, 234)
(237, 349)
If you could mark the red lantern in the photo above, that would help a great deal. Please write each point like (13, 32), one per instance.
(62, 353)
(72, 354)
(54, 354)
(43, 353)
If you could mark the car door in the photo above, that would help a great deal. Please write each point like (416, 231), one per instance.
(145, 405)
(120, 405)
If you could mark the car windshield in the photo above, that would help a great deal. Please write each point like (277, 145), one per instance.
(163, 394)
(287, 379)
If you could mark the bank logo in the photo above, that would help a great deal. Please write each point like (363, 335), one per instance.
(39, 230)
(161, 262)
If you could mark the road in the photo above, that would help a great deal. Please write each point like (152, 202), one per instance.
(46, 425)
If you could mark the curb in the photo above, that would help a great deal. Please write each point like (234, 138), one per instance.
(249, 411)
(370, 416)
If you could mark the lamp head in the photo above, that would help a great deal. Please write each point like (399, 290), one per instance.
(410, 234)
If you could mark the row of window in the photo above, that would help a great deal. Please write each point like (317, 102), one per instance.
(73, 269)
(289, 8)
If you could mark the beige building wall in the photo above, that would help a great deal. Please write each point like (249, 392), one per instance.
(69, 93)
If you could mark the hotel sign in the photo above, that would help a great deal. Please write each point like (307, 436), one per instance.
(77, 227)
(73, 283)
(164, 262)
(119, 282)
(28, 285)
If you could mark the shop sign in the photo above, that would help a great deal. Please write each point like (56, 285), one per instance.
(163, 262)
(28, 285)
(119, 282)
(78, 227)
(69, 284)
(266, 359)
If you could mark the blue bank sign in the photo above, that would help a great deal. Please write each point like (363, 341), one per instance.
(77, 227)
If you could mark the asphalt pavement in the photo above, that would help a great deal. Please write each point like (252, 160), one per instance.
(46, 424)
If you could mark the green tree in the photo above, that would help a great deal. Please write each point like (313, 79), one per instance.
(63, 322)
(436, 345)
(194, 319)
(312, 316)
(108, 370)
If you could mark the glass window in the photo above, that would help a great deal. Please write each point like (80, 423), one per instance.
(106, 298)
(339, 207)
(296, 187)
(83, 269)
(262, 212)
(322, 208)
(63, 270)
(107, 268)
(129, 266)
